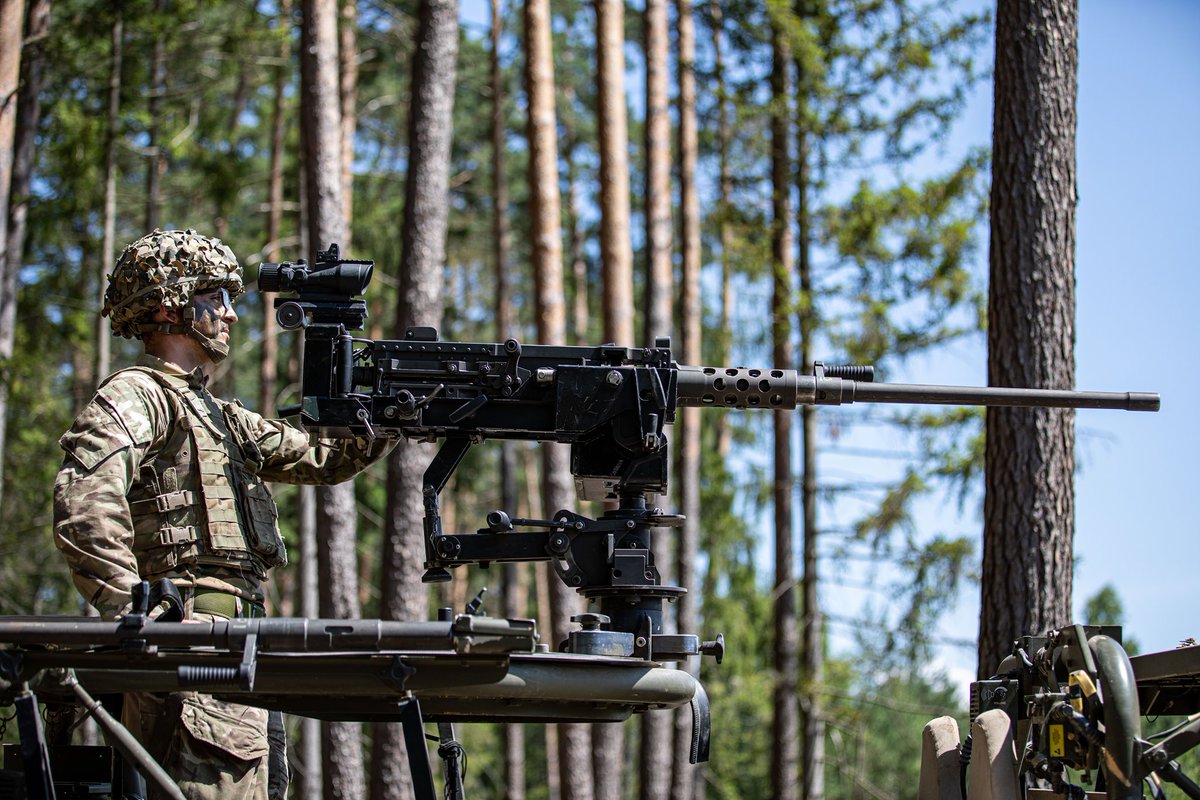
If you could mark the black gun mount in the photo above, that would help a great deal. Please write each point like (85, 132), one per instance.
(610, 403)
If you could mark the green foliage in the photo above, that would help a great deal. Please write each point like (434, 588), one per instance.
(875, 727)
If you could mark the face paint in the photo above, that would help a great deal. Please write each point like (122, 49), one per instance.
(210, 314)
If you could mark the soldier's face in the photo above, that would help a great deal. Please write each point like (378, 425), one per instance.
(214, 313)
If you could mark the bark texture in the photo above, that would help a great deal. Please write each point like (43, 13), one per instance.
(423, 236)
(688, 436)
(785, 737)
(574, 739)
(656, 727)
(342, 762)
(658, 294)
(615, 248)
(1029, 501)
(348, 101)
(338, 579)
(725, 228)
(812, 640)
(513, 588)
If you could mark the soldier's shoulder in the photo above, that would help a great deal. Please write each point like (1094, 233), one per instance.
(130, 407)
(133, 382)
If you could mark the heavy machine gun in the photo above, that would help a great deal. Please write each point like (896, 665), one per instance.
(611, 404)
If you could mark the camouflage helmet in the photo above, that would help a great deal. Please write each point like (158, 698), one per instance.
(165, 268)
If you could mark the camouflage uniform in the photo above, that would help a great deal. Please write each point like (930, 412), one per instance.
(161, 479)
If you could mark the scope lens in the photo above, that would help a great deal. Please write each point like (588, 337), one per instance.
(276, 277)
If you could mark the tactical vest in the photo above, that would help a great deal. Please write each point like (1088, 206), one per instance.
(198, 500)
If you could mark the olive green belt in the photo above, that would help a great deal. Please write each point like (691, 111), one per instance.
(223, 604)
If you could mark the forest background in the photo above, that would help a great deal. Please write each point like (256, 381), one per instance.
(896, 649)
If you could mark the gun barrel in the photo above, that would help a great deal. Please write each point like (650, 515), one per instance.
(784, 389)
(1003, 396)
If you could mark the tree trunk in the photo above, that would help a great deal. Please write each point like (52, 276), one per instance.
(513, 590)
(656, 731)
(812, 653)
(543, 608)
(18, 132)
(342, 765)
(724, 209)
(268, 364)
(348, 100)
(617, 267)
(658, 292)
(309, 779)
(423, 237)
(690, 315)
(615, 253)
(103, 338)
(341, 741)
(550, 318)
(580, 318)
(785, 730)
(1029, 500)
(156, 162)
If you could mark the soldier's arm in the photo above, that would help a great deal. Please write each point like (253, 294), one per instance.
(288, 456)
(92, 524)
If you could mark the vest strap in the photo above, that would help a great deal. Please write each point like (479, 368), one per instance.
(174, 536)
(170, 501)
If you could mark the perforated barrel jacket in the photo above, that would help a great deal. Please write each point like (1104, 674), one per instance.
(161, 479)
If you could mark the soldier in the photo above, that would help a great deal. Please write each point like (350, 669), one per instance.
(163, 480)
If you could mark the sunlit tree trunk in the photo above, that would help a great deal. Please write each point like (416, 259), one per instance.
(550, 319)
(724, 210)
(658, 294)
(580, 316)
(268, 365)
(656, 732)
(18, 133)
(812, 654)
(103, 338)
(785, 727)
(423, 238)
(688, 426)
(514, 589)
(342, 763)
(608, 747)
(1029, 499)
(615, 248)
(348, 100)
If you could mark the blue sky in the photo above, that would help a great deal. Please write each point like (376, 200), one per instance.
(1138, 320)
(1137, 328)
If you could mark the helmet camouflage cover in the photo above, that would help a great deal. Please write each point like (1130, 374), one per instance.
(165, 268)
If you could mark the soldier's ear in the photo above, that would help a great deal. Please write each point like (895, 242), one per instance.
(165, 314)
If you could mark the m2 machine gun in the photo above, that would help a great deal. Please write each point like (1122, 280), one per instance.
(611, 403)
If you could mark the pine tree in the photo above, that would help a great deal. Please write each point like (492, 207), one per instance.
(1029, 503)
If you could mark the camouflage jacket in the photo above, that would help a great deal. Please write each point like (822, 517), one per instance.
(161, 479)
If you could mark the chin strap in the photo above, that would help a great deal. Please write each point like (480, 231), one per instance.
(214, 348)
